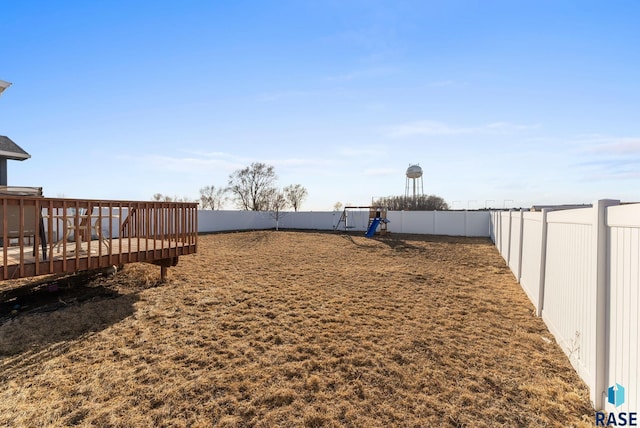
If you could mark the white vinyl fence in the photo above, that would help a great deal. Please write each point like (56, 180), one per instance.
(581, 269)
(623, 277)
(454, 223)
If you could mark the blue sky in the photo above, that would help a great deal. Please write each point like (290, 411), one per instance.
(500, 102)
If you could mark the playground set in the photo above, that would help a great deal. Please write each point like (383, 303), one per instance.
(377, 220)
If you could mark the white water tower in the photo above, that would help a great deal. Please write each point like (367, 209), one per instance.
(414, 181)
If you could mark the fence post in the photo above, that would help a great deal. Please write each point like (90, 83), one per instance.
(492, 229)
(543, 262)
(466, 214)
(509, 240)
(435, 223)
(500, 231)
(602, 303)
(496, 230)
(521, 232)
(494, 226)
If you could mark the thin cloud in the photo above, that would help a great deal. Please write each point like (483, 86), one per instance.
(276, 96)
(205, 154)
(614, 163)
(623, 146)
(361, 74)
(294, 163)
(609, 158)
(510, 127)
(615, 175)
(193, 165)
(380, 172)
(429, 127)
(228, 164)
(372, 151)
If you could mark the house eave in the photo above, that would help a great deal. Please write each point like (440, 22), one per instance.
(14, 155)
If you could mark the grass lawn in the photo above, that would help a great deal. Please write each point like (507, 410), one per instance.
(290, 329)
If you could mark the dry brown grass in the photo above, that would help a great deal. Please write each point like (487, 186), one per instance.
(295, 329)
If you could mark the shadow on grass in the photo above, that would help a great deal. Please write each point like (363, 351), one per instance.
(41, 320)
(404, 242)
(349, 238)
(469, 240)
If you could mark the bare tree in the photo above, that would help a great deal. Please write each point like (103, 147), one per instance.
(295, 194)
(337, 206)
(437, 203)
(277, 203)
(251, 187)
(159, 197)
(420, 203)
(212, 198)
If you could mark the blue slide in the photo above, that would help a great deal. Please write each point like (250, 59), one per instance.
(372, 229)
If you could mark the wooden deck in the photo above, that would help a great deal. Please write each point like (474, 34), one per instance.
(69, 260)
(120, 232)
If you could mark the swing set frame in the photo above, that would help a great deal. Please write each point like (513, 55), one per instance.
(375, 212)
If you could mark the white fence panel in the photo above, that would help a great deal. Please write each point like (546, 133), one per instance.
(570, 290)
(532, 240)
(420, 222)
(478, 223)
(321, 220)
(505, 234)
(624, 301)
(453, 223)
(514, 243)
(216, 221)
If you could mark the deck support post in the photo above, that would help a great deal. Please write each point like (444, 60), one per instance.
(164, 265)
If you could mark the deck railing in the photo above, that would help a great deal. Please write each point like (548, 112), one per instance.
(54, 235)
